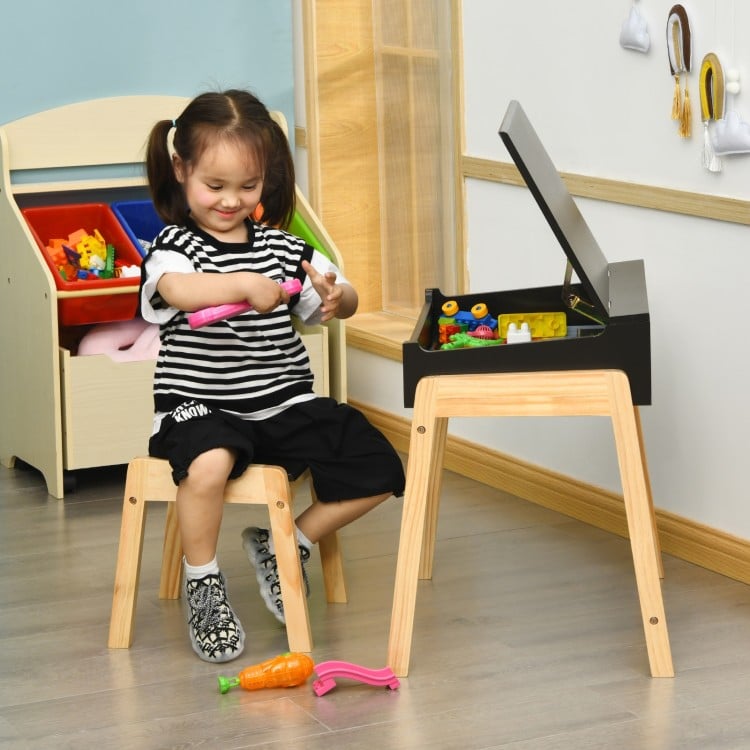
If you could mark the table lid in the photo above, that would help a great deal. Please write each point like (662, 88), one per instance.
(557, 205)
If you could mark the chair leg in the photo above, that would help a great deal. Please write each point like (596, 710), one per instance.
(128, 568)
(333, 569)
(171, 559)
(284, 533)
(330, 561)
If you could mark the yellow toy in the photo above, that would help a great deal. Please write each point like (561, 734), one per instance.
(543, 325)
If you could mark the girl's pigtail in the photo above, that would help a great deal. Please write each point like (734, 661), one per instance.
(279, 199)
(166, 191)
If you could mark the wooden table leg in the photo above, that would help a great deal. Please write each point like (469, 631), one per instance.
(432, 496)
(646, 476)
(417, 541)
(603, 393)
(639, 513)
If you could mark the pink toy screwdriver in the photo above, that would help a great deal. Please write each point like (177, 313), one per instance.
(201, 318)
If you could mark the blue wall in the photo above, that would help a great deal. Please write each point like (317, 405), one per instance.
(55, 53)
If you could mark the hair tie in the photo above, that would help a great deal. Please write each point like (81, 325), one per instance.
(679, 49)
(174, 123)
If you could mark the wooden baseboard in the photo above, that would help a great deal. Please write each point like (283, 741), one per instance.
(709, 548)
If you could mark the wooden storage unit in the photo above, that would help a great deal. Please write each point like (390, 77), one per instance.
(107, 409)
(59, 412)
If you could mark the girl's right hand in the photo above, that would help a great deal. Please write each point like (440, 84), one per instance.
(265, 294)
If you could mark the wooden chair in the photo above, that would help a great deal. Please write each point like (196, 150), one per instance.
(150, 480)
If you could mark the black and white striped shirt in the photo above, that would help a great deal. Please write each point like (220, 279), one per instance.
(253, 365)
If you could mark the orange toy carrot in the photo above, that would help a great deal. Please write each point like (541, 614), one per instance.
(286, 670)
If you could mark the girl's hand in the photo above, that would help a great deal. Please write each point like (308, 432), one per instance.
(265, 294)
(332, 297)
(195, 291)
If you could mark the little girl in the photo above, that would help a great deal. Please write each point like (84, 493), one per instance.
(240, 390)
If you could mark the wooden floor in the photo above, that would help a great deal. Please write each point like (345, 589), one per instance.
(528, 637)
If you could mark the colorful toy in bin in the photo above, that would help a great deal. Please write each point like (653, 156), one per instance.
(86, 256)
(106, 299)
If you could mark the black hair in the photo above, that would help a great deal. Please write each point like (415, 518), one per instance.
(232, 114)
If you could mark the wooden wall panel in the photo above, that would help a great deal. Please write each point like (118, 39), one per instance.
(342, 129)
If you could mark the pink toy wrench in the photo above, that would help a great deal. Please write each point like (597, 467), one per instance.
(327, 670)
(208, 315)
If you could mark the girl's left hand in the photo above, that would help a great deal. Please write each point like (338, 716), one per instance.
(329, 291)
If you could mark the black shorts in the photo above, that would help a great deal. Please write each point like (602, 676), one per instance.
(348, 458)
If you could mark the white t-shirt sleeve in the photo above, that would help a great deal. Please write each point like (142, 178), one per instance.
(308, 307)
(159, 263)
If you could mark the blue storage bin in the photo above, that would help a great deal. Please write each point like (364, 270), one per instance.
(140, 221)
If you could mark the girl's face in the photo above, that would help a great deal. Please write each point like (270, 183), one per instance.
(222, 189)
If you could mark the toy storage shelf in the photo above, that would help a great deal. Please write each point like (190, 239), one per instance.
(60, 412)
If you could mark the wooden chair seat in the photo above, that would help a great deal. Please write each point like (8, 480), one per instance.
(150, 480)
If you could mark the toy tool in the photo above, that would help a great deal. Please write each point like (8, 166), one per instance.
(201, 318)
(327, 670)
(286, 670)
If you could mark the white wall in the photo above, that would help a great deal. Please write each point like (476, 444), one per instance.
(697, 272)
(604, 111)
(600, 109)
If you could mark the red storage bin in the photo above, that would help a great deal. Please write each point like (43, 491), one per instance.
(52, 222)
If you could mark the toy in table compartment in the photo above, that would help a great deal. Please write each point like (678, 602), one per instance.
(286, 670)
(518, 334)
(465, 340)
(464, 328)
(542, 325)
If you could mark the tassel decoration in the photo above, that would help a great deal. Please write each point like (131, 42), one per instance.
(676, 102)
(679, 49)
(711, 161)
(686, 117)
